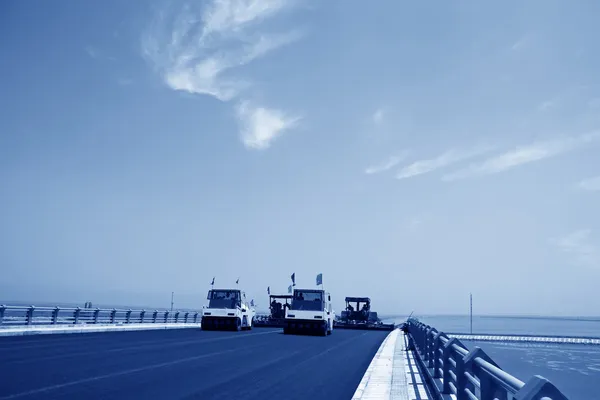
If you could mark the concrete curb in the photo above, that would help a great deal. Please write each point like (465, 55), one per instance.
(45, 330)
(377, 380)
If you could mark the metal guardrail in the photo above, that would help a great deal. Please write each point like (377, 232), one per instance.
(470, 374)
(40, 316)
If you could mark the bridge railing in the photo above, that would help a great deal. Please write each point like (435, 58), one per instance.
(470, 374)
(31, 315)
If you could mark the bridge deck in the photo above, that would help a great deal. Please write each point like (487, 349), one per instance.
(186, 364)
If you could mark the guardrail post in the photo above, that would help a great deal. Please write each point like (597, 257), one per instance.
(142, 313)
(195, 317)
(538, 388)
(128, 316)
(166, 316)
(461, 379)
(411, 339)
(423, 340)
(113, 315)
(96, 315)
(176, 316)
(2, 309)
(154, 316)
(185, 317)
(437, 343)
(448, 352)
(76, 315)
(55, 315)
(430, 346)
(29, 315)
(486, 389)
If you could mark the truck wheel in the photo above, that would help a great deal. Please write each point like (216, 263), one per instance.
(238, 324)
(324, 330)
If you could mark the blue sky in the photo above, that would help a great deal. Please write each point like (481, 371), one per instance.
(410, 153)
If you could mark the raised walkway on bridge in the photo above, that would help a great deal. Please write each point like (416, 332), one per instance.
(393, 373)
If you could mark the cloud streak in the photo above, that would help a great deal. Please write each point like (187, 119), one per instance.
(579, 245)
(260, 125)
(591, 184)
(523, 155)
(443, 160)
(378, 117)
(386, 165)
(200, 51)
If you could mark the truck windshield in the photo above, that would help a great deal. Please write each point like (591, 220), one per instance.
(223, 299)
(309, 301)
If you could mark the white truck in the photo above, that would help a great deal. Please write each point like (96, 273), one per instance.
(310, 312)
(226, 310)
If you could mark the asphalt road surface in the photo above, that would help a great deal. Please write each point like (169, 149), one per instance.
(186, 364)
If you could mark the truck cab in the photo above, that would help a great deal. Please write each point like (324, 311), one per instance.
(310, 311)
(226, 310)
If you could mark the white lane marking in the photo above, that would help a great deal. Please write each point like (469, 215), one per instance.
(121, 373)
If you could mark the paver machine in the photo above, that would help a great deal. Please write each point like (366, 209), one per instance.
(358, 315)
(227, 311)
(310, 312)
(278, 304)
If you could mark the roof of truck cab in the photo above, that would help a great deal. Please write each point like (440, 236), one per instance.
(358, 299)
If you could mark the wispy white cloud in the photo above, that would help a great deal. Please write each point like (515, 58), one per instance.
(203, 49)
(522, 43)
(204, 46)
(448, 158)
(523, 155)
(92, 52)
(417, 221)
(391, 162)
(547, 105)
(230, 16)
(579, 245)
(378, 116)
(206, 75)
(591, 184)
(260, 125)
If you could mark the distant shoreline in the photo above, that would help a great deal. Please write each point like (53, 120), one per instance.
(591, 318)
